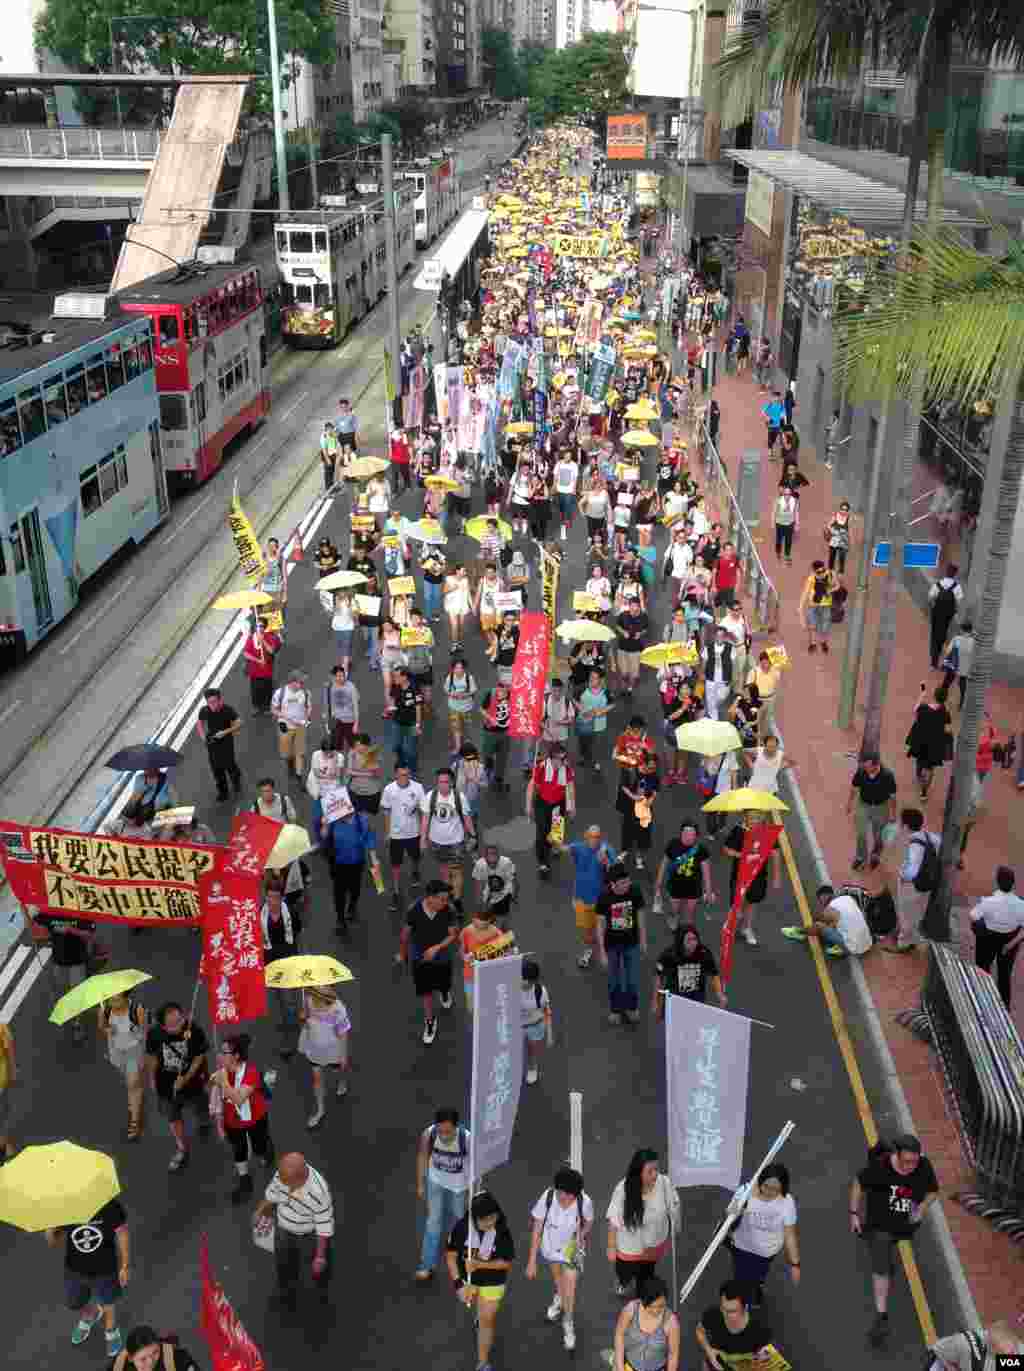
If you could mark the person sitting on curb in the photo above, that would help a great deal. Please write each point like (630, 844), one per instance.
(840, 925)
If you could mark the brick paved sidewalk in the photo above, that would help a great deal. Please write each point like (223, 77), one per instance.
(824, 757)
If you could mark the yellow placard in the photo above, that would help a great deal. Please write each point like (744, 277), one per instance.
(566, 245)
(367, 604)
(274, 621)
(585, 602)
(771, 1360)
(779, 657)
(363, 523)
(390, 540)
(417, 637)
(402, 585)
(247, 545)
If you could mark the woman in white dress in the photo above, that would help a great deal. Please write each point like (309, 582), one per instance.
(456, 602)
(324, 1043)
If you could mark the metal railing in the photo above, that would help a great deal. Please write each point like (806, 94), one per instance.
(754, 580)
(37, 207)
(983, 1064)
(83, 145)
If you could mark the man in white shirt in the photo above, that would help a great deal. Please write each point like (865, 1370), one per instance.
(840, 925)
(911, 901)
(292, 707)
(445, 823)
(402, 804)
(998, 923)
(305, 1209)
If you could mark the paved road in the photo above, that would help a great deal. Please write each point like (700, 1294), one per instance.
(60, 709)
(378, 1318)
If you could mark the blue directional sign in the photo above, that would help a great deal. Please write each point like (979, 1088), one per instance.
(922, 555)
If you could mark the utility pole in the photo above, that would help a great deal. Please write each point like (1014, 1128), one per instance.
(283, 204)
(686, 132)
(314, 191)
(391, 248)
(850, 678)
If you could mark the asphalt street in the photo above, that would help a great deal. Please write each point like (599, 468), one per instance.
(62, 707)
(377, 1316)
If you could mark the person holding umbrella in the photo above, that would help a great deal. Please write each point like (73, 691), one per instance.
(96, 1270)
(153, 788)
(122, 1021)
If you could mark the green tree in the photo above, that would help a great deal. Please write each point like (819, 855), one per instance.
(529, 57)
(411, 115)
(954, 317)
(589, 79)
(499, 59)
(216, 36)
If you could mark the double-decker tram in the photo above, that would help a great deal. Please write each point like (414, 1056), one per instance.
(210, 348)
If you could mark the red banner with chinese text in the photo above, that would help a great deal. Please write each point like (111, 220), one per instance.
(105, 878)
(231, 1348)
(232, 936)
(758, 845)
(529, 674)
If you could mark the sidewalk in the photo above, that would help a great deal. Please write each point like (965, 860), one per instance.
(825, 756)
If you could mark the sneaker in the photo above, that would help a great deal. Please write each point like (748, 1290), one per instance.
(640, 863)
(532, 1076)
(393, 906)
(342, 1089)
(833, 951)
(584, 959)
(179, 1161)
(623, 1290)
(568, 1335)
(555, 1310)
(794, 934)
(429, 1031)
(879, 1330)
(315, 1120)
(749, 936)
(446, 999)
(417, 879)
(115, 1342)
(422, 1274)
(242, 1190)
(83, 1328)
(562, 535)
(614, 1019)
(633, 1015)
(544, 870)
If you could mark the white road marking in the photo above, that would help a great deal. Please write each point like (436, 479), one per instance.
(13, 966)
(14, 705)
(186, 521)
(293, 407)
(96, 617)
(10, 1008)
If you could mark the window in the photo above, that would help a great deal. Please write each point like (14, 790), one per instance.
(131, 360)
(89, 488)
(321, 241)
(78, 397)
(146, 354)
(421, 215)
(229, 379)
(55, 400)
(121, 462)
(115, 367)
(30, 410)
(199, 401)
(167, 331)
(322, 296)
(108, 479)
(173, 412)
(239, 371)
(301, 242)
(304, 295)
(96, 378)
(17, 551)
(10, 433)
(98, 484)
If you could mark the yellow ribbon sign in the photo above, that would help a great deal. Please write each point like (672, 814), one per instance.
(565, 246)
(250, 554)
(417, 637)
(402, 585)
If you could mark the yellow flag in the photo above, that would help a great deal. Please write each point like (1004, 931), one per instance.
(389, 380)
(250, 554)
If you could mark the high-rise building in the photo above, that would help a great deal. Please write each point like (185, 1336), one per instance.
(411, 34)
(569, 21)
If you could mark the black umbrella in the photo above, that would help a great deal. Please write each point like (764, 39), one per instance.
(144, 757)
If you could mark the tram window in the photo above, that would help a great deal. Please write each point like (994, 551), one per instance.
(199, 399)
(55, 400)
(421, 215)
(77, 395)
(115, 367)
(145, 354)
(173, 412)
(108, 479)
(168, 330)
(304, 295)
(17, 551)
(323, 296)
(263, 351)
(33, 417)
(96, 378)
(282, 240)
(302, 242)
(10, 433)
(132, 365)
(321, 241)
(121, 461)
(89, 485)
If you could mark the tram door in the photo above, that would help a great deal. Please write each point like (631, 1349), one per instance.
(35, 562)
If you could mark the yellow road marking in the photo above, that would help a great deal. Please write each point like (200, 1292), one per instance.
(846, 1049)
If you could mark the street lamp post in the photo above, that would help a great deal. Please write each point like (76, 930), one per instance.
(275, 91)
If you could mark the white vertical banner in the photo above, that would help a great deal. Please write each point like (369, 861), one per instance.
(497, 1061)
(707, 1059)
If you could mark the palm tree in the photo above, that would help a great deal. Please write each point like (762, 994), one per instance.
(954, 318)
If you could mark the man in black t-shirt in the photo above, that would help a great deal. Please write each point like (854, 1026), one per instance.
(686, 873)
(407, 719)
(632, 626)
(96, 1269)
(728, 1329)
(496, 712)
(507, 643)
(426, 940)
(685, 969)
(217, 725)
(888, 1201)
(177, 1068)
(70, 944)
(621, 939)
(873, 791)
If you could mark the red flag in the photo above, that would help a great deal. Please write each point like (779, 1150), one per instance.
(758, 845)
(529, 673)
(231, 1348)
(232, 936)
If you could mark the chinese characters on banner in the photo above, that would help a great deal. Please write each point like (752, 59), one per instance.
(529, 673)
(497, 1060)
(550, 565)
(601, 367)
(758, 845)
(592, 248)
(247, 545)
(707, 1062)
(231, 1348)
(232, 936)
(110, 880)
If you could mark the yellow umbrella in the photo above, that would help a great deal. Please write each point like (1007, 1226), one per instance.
(584, 631)
(476, 528)
(564, 332)
(523, 426)
(646, 333)
(709, 737)
(550, 332)
(292, 843)
(642, 409)
(242, 599)
(298, 973)
(639, 354)
(341, 580)
(362, 468)
(735, 801)
(94, 991)
(441, 483)
(668, 654)
(55, 1185)
(639, 437)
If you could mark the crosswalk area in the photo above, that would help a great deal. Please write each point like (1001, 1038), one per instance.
(22, 967)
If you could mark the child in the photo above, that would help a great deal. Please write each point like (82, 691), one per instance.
(480, 930)
(536, 1018)
(324, 1043)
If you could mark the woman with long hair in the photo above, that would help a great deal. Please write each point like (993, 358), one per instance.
(767, 1225)
(643, 1215)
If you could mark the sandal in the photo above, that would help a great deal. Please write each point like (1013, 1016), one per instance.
(134, 1130)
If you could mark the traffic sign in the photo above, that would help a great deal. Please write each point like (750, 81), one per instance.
(922, 555)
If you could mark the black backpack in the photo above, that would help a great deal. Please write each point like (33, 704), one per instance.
(944, 606)
(927, 877)
(880, 914)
